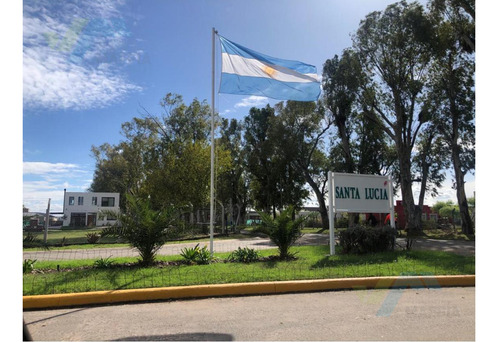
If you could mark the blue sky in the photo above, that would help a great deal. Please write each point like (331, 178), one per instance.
(89, 66)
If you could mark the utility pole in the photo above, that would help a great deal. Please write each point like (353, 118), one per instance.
(47, 218)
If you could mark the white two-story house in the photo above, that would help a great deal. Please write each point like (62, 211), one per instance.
(82, 209)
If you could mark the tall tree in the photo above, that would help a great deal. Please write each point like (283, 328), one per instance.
(274, 184)
(231, 186)
(431, 160)
(122, 167)
(461, 16)
(300, 128)
(164, 157)
(358, 146)
(393, 50)
(452, 102)
(342, 80)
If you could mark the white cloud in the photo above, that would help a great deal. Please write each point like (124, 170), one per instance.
(43, 180)
(44, 168)
(252, 101)
(65, 49)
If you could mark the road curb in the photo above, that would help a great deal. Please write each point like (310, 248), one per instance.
(238, 289)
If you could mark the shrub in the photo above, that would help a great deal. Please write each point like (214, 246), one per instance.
(142, 227)
(28, 265)
(360, 240)
(103, 263)
(283, 230)
(204, 256)
(244, 255)
(31, 240)
(93, 238)
(342, 222)
(429, 225)
(190, 253)
(196, 255)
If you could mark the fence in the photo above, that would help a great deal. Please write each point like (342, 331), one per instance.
(117, 278)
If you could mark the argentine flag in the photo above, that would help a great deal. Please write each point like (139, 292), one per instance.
(246, 72)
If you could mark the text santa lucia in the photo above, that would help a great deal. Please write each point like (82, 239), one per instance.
(351, 192)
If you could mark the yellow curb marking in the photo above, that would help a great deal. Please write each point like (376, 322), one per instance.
(200, 291)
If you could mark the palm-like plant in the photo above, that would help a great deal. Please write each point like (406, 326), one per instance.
(282, 230)
(142, 227)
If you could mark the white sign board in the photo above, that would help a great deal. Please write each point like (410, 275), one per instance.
(355, 193)
(361, 193)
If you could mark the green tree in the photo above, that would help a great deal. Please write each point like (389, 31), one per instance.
(342, 80)
(299, 129)
(452, 103)
(274, 183)
(461, 16)
(142, 227)
(440, 204)
(430, 162)
(231, 185)
(119, 168)
(166, 157)
(181, 177)
(393, 47)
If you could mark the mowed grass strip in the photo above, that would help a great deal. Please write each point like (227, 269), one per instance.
(313, 263)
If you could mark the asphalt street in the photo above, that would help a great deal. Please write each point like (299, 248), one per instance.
(446, 314)
(455, 246)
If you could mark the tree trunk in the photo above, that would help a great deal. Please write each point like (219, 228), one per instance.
(467, 225)
(321, 200)
(413, 221)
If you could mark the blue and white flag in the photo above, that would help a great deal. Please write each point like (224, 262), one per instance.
(246, 72)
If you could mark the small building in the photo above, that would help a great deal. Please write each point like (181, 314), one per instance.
(84, 209)
(427, 214)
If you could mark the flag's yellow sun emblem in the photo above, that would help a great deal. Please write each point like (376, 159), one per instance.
(268, 70)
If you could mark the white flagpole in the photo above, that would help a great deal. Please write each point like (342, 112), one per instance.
(212, 149)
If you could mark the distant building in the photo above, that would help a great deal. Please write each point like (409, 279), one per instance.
(427, 214)
(84, 209)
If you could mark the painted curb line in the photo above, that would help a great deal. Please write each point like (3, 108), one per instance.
(238, 289)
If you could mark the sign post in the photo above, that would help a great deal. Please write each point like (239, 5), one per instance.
(355, 193)
(331, 211)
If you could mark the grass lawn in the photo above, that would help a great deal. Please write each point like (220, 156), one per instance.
(70, 236)
(313, 263)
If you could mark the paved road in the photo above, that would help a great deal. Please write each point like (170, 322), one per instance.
(410, 314)
(169, 249)
(456, 246)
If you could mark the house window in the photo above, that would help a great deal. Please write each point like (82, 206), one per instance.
(80, 200)
(107, 202)
(94, 200)
(71, 200)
